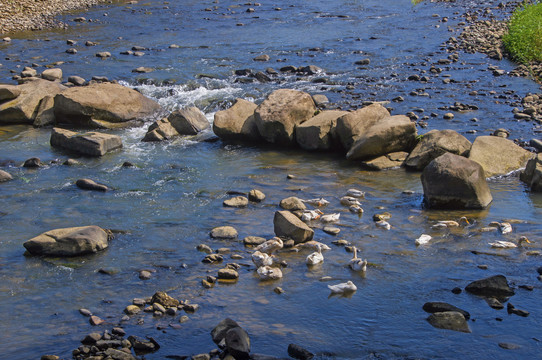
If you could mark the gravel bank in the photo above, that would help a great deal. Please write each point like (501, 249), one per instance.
(19, 15)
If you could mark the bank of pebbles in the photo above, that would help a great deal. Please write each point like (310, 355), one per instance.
(20, 15)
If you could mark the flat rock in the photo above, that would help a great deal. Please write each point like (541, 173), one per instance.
(89, 143)
(253, 240)
(22, 109)
(434, 144)
(494, 286)
(9, 92)
(391, 134)
(72, 241)
(224, 232)
(103, 105)
(454, 182)
(237, 201)
(388, 161)
(449, 320)
(287, 225)
(237, 123)
(278, 115)
(498, 156)
(317, 132)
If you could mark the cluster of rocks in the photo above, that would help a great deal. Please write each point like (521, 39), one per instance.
(379, 140)
(532, 110)
(34, 15)
(495, 290)
(245, 76)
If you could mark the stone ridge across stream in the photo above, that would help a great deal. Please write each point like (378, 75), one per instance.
(19, 15)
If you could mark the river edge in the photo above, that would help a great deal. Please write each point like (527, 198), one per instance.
(38, 15)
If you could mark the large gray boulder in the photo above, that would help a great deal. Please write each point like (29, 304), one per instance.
(72, 241)
(351, 125)
(493, 286)
(532, 175)
(287, 225)
(316, 133)
(20, 103)
(103, 105)
(497, 155)
(89, 143)
(454, 182)
(391, 134)
(237, 123)
(278, 115)
(436, 143)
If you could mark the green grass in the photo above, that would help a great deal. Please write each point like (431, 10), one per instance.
(524, 38)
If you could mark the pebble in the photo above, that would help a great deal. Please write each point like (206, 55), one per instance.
(85, 312)
(95, 320)
(145, 275)
(71, 51)
(331, 230)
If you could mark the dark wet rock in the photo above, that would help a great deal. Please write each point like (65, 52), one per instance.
(164, 299)
(298, 352)
(238, 343)
(103, 105)
(532, 175)
(494, 286)
(391, 134)
(118, 354)
(89, 143)
(141, 345)
(237, 202)
(22, 109)
(434, 144)
(237, 122)
(310, 70)
(88, 184)
(278, 115)
(72, 241)
(5, 176)
(435, 307)
(49, 357)
(261, 77)
(224, 232)
(509, 346)
(212, 259)
(352, 125)
(287, 225)
(449, 320)
(218, 334)
(317, 132)
(292, 203)
(457, 290)
(494, 303)
(498, 156)
(388, 161)
(33, 163)
(91, 338)
(511, 309)
(454, 182)
(256, 195)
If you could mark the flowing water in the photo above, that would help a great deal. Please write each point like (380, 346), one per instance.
(167, 204)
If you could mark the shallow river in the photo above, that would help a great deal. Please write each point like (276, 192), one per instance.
(166, 205)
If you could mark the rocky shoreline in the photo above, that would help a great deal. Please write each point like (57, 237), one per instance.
(23, 15)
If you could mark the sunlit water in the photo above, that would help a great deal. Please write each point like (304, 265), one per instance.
(167, 204)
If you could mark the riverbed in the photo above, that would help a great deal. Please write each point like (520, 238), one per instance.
(166, 205)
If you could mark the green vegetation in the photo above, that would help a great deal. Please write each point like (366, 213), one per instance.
(524, 38)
